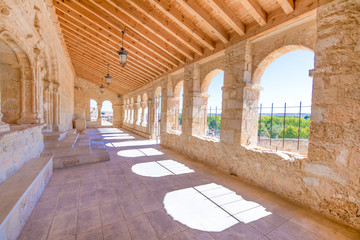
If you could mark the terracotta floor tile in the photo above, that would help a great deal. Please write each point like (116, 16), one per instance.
(291, 231)
(110, 213)
(115, 231)
(140, 228)
(177, 236)
(130, 208)
(95, 234)
(36, 229)
(88, 219)
(162, 223)
(63, 225)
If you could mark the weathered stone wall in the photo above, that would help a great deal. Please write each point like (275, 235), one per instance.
(326, 180)
(18, 146)
(334, 147)
(10, 84)
(86, 91)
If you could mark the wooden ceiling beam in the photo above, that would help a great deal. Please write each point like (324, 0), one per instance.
(112, 11)
(255, 10)
(81, 49)
(287, 5)
(115, 70)
(100, 79)
(196, 10)
(227, 14)
(130, 68)
(143, 57)
(133, 58)
(82, 59)
(148, 12)
(136, 18)
(110, 28)
(85, 64)
(184, 23)
(92, 79)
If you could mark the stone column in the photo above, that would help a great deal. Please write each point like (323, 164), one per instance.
(99, 114)
(3, 126)
(47, 105)
(150, 122)
(117, 115)
(195, 103)
(240, 97)
(136, 113)
(143, 107)
(56, 106)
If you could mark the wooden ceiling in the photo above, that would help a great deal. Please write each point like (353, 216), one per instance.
(161, 35)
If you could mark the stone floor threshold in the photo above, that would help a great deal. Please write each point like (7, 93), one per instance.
(149, 192)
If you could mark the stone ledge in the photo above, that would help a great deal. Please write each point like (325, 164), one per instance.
(20, 193)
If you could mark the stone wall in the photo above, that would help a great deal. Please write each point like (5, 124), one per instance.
(86, 91)
(327, 178)
(18, 146)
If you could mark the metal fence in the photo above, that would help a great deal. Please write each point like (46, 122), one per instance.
(285, 127)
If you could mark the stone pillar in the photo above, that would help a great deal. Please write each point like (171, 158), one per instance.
(117, 115)
(240, 97)
(56, 106)
(99, 114)
(136, 113)
(143, 106)
(150, 123)
(47, 105)
(334, 143)
(195, 103)
(3, 126)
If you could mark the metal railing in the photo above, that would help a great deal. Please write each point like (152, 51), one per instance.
(285, 127)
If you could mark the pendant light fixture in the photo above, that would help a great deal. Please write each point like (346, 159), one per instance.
(122, 53)
(102, 88)
(108, 77)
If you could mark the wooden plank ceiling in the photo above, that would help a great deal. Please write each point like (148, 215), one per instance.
(161, 35)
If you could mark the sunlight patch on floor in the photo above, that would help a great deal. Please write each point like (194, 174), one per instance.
(134, 143)
(119, 137)
(141, 152)
(160, 168)
(211, 207)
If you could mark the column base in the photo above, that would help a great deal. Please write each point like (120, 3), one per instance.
(4, 127)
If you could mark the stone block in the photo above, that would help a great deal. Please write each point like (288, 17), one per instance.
(80, 125)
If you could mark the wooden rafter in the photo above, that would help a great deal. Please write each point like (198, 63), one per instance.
(148, 12)
(255, 10)
(287, 5)
(192, 7)
(112, 11)
(101, 23)
(226, 13)
(136, 17)
(184, 23)
(90, 33)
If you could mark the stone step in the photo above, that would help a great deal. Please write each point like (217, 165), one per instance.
(96, 155)
(20, 193)
(67, 151)
(54, 136)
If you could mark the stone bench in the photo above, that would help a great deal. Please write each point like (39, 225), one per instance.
(20, 193)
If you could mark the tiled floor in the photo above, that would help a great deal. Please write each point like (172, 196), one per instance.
(114, 200)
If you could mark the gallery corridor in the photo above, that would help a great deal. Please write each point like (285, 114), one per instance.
(149, 192)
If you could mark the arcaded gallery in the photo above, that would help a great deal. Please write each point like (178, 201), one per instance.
(179, 119)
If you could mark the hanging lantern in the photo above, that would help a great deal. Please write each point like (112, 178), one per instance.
(122, 53)
(108, 77)
(102, 89)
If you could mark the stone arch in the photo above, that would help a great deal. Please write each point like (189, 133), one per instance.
(138, 99)
(107, 119)
(272, 56)
(207, 80)
(177, 89)
(157, 91)
(26, 111)
(93, 110)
